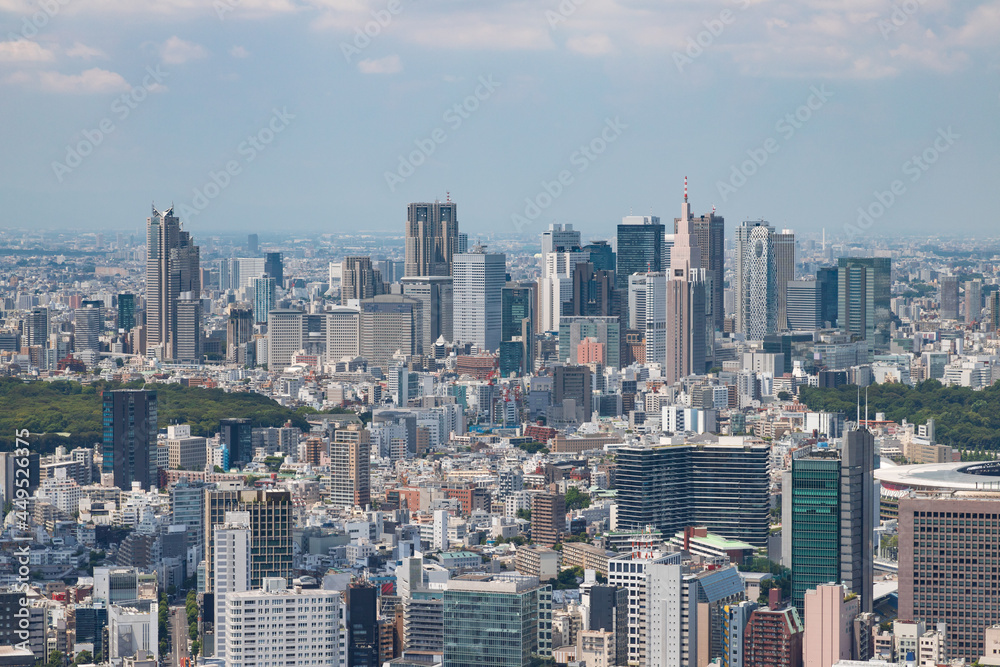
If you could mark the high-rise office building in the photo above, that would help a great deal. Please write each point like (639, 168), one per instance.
(172, 274)
(709, 232)
(271, 522)
(274, 267)
(686, 325)
(573, 382)
(948, 548)
(722, 487)
(756, 282)
(390, 322)
(285, 336)
(188, 343)
(784, 271)
(431, 238)
(517, 328)
(555, 286)
(559, 237)
(948, 297)
(187, 508)
(864, 292)
(993, 305)
(87, 324)
(253, 244)
(129, 438)
(437, 297)
(594, 292)
(359, 280)
(239, 329)
(631, 571)
(601, 256)
(37, 327)
(237, 436)
(804, 304)
(605, 331)
(504, 620)
(828, 289)
(973, 300)
(343, 338)
(126, 312)
(263, 298)
(350, 451)
(640, 247)
(463, 245)
(231, 570)
(830, 511)
(479, 279)
(548, 518)
(362, 625)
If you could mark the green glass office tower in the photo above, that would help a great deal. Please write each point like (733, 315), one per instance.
(815, 529)
(126, 312)
(497, 621)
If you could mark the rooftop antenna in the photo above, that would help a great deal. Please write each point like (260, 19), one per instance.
(448, 196)
(685, 188)
(859, 407)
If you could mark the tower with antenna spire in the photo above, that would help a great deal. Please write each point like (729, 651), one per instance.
(686, 313)
(708, 231)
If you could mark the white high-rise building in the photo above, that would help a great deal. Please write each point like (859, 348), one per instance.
(343, 338)
(275, 626)
(479, 278)
(284, 337)
(559, 236)
(440, 540)
(231, 570)
(756, 280)
(555, 286)
(631, 571)
(672, 603)
(647, 295)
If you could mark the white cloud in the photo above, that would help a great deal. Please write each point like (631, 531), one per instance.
(24, 51)
(387, 65)
(79, 50)
(176, 51)
(239, 52)
(93, 80)
(597, 44)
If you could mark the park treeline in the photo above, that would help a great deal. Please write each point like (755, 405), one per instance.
(48, 409)
(963, 418)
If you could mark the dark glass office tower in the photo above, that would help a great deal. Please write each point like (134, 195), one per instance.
(274, 267)
(601, 255)
(129, 437)
(640, 247)
(828, 290)
(864, 294)
(237, 435)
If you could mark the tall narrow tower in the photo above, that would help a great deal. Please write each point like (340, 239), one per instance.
(685, 302)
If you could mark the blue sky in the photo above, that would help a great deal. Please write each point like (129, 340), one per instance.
(269, 115)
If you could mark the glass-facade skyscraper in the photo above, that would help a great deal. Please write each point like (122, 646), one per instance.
(815, 529)
(640, 247)
(864, 294)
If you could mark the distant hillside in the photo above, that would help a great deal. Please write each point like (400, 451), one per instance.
(963, 418)
(68, 407)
